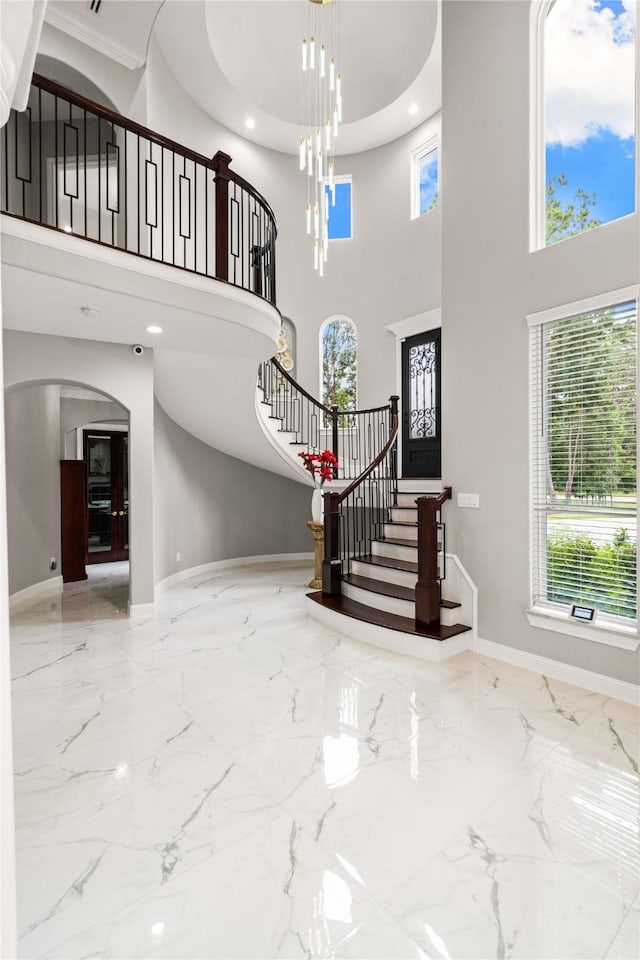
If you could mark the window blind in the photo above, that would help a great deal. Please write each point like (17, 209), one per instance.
(583, 460)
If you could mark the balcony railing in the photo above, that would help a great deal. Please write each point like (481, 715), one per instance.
(355, 437)
(74, 166)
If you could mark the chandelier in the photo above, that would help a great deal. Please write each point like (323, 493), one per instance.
(322, 86)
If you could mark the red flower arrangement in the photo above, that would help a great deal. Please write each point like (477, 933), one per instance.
(319, 465)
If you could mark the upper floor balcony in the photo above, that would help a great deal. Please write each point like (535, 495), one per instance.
(73, 166)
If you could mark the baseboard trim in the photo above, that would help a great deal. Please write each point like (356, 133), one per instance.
(37, 591)
(280, 558)
(141, 610)
(598, 682)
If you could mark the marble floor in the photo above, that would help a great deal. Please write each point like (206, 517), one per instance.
(232, 779)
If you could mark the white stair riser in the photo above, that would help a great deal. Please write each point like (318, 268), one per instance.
(449, 617)
(395, 552)
(400, 533)
(404, 608)
(404, 516)
(407, 499)
(386, 574)
(423, 485)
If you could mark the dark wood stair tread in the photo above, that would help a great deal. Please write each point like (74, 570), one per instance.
(395, 590)
(380, 618)
(401, 523)
(397, 542)
(409, 566)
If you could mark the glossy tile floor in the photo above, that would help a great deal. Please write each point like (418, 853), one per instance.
(232, 779)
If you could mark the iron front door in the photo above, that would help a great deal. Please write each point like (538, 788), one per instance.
(421, 405)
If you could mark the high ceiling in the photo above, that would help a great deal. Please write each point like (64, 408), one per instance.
(241, 58)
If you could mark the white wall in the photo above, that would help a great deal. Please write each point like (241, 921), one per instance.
(209, 506)
(20, 27)
(121, 85)
(32, 438)
(389, 270)
(7, 826)
(489, 284)
(76, 413)
(112, 369)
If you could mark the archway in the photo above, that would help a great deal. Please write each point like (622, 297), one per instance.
(61, 513)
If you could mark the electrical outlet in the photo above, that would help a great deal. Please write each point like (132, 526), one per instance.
(468, 499)
(177, 558)
(53, 564)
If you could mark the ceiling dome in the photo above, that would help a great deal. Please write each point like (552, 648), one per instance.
(239, 58)
(382, 49)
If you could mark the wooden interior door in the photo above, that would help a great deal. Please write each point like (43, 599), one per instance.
(73, 520)
(106, 453)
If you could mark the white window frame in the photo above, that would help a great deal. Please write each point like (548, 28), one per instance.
(606, 629)
(325, 323)
(537, 149)
(433, 143)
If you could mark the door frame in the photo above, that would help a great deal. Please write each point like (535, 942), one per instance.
(121, 552)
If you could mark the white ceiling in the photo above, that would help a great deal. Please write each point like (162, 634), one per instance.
(241, 58)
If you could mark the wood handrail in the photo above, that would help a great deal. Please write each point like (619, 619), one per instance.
(332, 564)
(393, 401)
(329, 410)
(113, 117)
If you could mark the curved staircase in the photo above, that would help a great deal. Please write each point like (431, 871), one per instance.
(377, 567)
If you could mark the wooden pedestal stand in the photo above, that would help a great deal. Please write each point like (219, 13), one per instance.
(317, 530)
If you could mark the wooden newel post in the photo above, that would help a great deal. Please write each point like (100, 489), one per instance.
(332, 565)
(334, 436)
(221, 163)
(428, 585)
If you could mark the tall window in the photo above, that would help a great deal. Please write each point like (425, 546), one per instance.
(584, 501)
(588, 118)
(339, 353)
(338, 200)
(425, 183)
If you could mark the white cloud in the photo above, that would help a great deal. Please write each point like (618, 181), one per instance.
(589, 71)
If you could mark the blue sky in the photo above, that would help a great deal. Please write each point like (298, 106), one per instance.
(603, 165)
(340, 214)
(428, 180)
(590, 104)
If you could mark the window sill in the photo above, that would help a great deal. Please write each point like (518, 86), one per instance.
(611, 634)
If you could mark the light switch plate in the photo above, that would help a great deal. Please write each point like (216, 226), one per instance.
(468, 499)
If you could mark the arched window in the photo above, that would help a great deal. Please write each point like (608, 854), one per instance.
(584, 114)
(338, 363)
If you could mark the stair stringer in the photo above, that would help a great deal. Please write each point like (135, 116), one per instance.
(460, 587)
(277, 438)
(280, 441)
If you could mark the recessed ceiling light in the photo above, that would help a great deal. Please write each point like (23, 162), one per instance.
(67, 229)
(250, 123)
(89, 311)
(413, 109)
(154, 329)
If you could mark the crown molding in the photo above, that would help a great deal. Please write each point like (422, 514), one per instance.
(76, 28)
